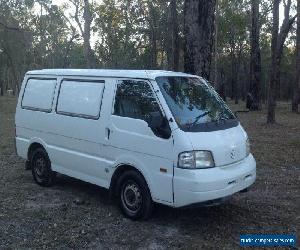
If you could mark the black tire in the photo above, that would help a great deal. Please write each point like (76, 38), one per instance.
(41, 168)
(134, 196)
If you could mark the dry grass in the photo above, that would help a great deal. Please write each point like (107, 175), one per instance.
(35, 217)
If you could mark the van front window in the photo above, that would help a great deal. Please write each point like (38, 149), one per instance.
(195, 105)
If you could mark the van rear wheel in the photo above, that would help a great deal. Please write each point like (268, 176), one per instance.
(134, 196)
(41, 168)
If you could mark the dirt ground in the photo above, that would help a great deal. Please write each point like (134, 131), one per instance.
(36, 217)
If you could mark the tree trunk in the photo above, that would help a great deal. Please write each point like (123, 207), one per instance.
(222, 89)
(153, 35)
(199, 16)
(278, 41)
(1, 88)
(216, 83)
(174, 60)
(245, 80)
(14, 73)
(68, 49)
(88, 52)
(255, 62)
(234, 79)
(153, 48)
(273, 69)
(296, 91)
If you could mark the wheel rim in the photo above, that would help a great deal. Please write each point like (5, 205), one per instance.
(132, 196)
(40, 168)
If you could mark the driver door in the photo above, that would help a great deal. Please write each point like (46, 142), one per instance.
(131, 139)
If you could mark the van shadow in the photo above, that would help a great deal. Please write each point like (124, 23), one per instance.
(223, 216)
(221, 222)
(224, 213)
(83, 190)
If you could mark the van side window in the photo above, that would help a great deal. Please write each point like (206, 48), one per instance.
(80, 98)
(38, 94)
(135, 99)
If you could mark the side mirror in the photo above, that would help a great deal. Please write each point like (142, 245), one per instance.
(159, 125)
(155, 120)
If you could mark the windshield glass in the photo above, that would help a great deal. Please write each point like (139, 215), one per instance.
(195, 104)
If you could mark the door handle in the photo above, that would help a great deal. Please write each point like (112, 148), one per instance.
(108, 133)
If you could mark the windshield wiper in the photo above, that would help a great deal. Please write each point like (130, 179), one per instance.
(198, 118)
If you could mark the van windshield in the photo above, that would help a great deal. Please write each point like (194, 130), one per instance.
(195, 105)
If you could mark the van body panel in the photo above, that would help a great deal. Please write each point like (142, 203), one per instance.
(160, 184)
(135, 74)
(22, 145)
(77, 145)
(227, 146)
(145, 147)
(182, 143)
(71, 142)
(196, 186)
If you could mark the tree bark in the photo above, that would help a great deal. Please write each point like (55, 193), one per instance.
(87, 16)
(233, 61)
(1, 88)
(222, 88)
(153, 48)
(199, 17)
(278, 41)
(296, 90)
(216, 83)
(174, 37)
(245, 81)
(85, 31)
(234, 79)
(153, 35)
(255, 62)
(14, 72)
(273, 69)
(68, 49)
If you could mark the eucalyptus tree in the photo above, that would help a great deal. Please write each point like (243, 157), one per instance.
(174, 30)
(117, 29)
(255, 58)
(296, 90)
(199, 17)
(132, 34)
(278, 40)
(15, 41)
(84, 17)
(233, 45)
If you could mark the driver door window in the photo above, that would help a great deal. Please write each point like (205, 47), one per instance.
(135, 99)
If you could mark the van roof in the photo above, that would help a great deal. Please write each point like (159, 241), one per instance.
(144, 74)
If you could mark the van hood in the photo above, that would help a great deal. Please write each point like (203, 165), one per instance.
(227, 146)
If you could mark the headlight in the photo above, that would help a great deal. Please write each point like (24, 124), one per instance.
(196, 159)
(247, 147)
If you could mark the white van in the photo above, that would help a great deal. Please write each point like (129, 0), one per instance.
(147, 136)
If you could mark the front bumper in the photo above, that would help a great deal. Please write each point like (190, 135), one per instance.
(200, 185)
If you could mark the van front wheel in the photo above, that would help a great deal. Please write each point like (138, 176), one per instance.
(41, 168)
(135, 198)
